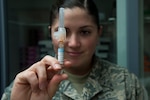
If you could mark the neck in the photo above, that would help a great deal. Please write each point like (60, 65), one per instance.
(79, 70)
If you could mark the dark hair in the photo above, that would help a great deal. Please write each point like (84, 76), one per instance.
(88, 5)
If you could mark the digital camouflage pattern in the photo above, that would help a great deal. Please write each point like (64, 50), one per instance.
(106, 81)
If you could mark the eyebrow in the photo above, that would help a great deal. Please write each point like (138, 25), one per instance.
(87, 26)
(56, 28)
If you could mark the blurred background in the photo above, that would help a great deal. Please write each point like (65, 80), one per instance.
(25, 38)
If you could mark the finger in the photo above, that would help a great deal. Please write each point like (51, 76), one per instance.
(41, 72)
(28, 77)
(51, 61)
(54, 83)
(51, 72)
(39, 69)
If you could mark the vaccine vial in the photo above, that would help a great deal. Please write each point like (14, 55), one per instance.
(61, 52)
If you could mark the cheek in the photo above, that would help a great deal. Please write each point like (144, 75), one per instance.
(91, 45)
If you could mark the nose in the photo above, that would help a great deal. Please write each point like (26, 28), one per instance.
(73, 41)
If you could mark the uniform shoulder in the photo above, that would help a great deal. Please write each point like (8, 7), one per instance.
(111, 67)
(7, 92)
(112, 71)
(117, 72)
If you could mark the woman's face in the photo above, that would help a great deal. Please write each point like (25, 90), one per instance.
(81, 37)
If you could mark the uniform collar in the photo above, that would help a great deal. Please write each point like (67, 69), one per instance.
(97, 82)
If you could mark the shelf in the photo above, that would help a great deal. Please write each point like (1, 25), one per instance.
(27, 24)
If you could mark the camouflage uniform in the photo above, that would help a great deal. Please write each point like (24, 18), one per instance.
(106, 81)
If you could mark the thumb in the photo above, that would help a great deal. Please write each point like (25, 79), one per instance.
(54, 84)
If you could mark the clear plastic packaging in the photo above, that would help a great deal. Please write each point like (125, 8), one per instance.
(60, 35)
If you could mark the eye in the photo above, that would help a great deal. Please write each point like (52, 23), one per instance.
(56, 29)
(67, 32)
(85, 32)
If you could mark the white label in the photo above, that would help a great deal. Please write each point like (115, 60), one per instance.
(61, 55)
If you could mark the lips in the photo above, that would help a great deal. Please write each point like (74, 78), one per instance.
(73, 53)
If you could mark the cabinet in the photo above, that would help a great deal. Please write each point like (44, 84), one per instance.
(146, 41)
(29, 38)
(27, 25)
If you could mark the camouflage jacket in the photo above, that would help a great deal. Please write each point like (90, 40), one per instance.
(106, 81)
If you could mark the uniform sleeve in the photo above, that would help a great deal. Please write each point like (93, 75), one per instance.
(134, 89)
(7, 92)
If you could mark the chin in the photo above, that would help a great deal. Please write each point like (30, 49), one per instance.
(75, 62)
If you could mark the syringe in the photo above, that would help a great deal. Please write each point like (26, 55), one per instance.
(60, 35)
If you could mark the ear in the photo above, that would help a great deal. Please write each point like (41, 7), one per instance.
(50, 34)
(100, 30)
(49, 27)
(99, 34)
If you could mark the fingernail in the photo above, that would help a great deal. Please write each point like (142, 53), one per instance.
(43, 86)
(57, 66)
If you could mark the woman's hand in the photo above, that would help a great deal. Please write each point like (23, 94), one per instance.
(40, 81)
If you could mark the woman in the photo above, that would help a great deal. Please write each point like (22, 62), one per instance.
(84, 76)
